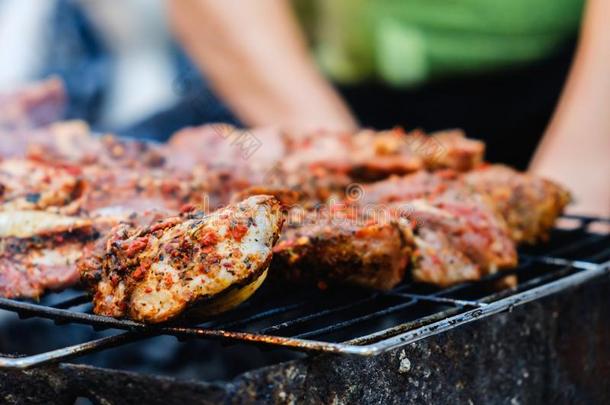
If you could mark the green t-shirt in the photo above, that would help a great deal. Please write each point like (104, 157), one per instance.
(406, 42)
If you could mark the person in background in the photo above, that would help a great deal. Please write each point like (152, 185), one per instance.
(494, 68)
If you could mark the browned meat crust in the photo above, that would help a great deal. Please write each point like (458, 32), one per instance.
(457, 238)
(31, 185)
(341, 247)
(436, 260)
(422, 184)
(256, 155)
(452, 150)
(529, 204)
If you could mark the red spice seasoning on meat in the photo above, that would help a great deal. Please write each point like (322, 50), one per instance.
(208, 237)
(238, 231)
(136, 246)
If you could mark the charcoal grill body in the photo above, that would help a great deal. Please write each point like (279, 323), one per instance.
(553, 350)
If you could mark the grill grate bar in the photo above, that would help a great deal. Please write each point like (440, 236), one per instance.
(442, 300)
(500, 305)
(316, 315)
(258, 317)
(304, 318)
(577, 264)
(67, 353)
(354, 321)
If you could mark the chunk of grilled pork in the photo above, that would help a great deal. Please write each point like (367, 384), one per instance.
(457, 239)
(341, 245)
(529, 204)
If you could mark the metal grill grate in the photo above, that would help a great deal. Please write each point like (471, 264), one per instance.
(350, 321)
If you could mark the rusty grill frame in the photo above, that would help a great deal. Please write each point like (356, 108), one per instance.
(572, 263)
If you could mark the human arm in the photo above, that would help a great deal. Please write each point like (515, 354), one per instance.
(255, 57)
(575, 149)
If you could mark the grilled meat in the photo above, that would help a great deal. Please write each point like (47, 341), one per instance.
(31, 224)
(33, 106)
(341, 246)
(112, 191)
(72, 142)
(422, 184)
(452, 150)
(453, 237)
(38, 251)
(153, 274)
(265, 156)
(529, 204)
(30, 185)
(377, 155)
(30, 274)
(437, 261)
(64, 186)
(457, 239)
(484, 236)
(245, 154)
(65, 142)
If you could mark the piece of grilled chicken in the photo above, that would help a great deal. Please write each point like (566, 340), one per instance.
(206, 263)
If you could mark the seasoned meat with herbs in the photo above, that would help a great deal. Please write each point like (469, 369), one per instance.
(155, 273)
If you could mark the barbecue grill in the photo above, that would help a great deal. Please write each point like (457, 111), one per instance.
(348, 322)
